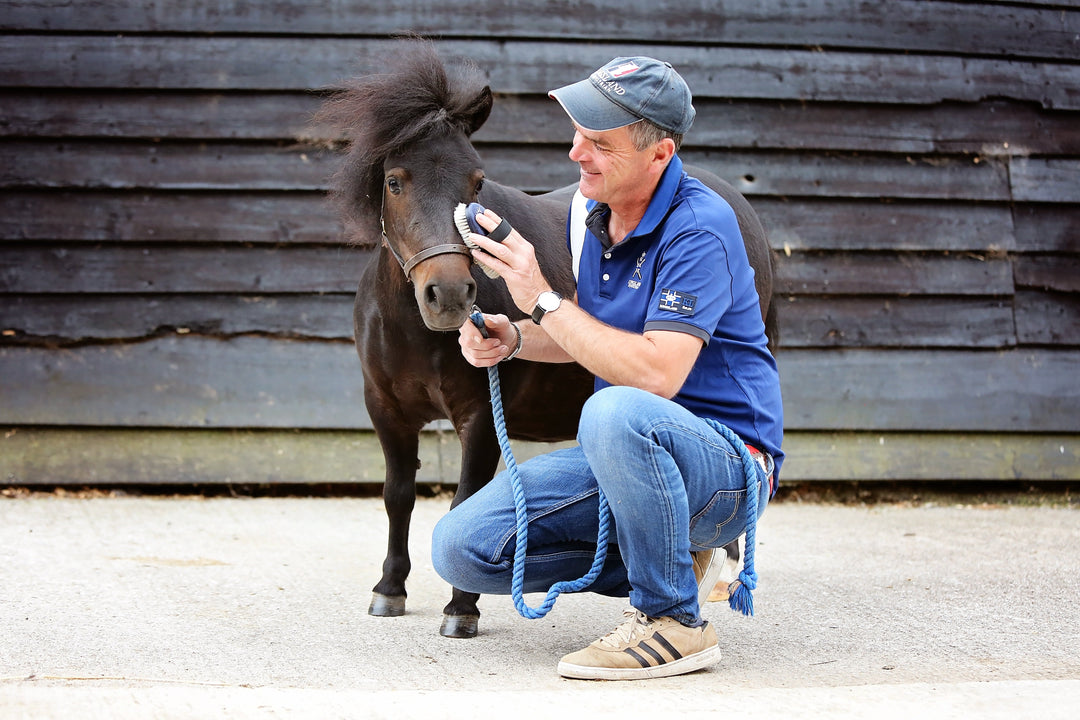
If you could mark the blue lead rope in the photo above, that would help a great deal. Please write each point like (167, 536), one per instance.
(741, 598)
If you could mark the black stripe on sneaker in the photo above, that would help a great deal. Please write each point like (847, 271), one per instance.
(641, 661)
(656, 655)
(675, 654)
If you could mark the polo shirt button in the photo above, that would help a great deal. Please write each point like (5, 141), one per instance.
(606, 277)
(607, 256)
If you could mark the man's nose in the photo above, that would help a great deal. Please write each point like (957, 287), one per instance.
(576, 148)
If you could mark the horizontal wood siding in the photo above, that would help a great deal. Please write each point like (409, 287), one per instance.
(175, 292)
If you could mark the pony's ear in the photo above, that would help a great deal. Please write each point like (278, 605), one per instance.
(476, 113)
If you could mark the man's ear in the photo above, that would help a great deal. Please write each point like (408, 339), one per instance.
(663, 151)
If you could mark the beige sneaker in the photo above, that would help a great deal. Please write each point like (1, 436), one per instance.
(707, 567)
(643, 647)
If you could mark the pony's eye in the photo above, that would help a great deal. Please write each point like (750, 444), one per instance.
(479, 186)
(393, 185)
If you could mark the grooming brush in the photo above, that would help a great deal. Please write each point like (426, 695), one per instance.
(465, 221)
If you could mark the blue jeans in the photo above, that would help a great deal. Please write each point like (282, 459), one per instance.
(673, 485)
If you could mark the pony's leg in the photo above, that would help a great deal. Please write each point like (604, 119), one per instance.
(400, 451)
(479, 460)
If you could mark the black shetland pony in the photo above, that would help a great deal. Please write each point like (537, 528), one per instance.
(410, 162)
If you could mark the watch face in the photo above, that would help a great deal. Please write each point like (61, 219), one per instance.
(547, 302)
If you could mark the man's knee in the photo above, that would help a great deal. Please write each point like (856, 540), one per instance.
(606, 407)
(446, 551)
(609, 413)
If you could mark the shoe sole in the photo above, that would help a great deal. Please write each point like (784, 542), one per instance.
(690, 663)
(711, 576)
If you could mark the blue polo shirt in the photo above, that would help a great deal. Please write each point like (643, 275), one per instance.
(684, 268)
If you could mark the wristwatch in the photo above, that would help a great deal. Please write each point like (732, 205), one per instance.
(547, 302)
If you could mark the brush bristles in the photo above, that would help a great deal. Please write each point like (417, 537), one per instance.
(461, 221)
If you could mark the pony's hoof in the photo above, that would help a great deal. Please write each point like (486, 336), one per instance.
(386, 605)
(459, 626)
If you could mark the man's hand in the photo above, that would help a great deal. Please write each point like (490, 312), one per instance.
(485, 352)
(515, 261)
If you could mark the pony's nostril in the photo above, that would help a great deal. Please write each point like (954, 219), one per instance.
(450, 297)
(432, 295)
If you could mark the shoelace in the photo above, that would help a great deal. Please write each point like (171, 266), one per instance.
(626, 631)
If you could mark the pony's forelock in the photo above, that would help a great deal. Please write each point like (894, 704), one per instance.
(379, 114)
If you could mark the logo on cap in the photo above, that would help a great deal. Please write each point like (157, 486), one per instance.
(623, 69)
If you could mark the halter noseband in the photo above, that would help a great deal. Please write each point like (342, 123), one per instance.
(425, 254)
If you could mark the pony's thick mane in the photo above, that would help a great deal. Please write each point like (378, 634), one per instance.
(378, 114)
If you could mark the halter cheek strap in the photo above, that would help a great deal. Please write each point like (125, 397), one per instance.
(425, 254)
(432, 252)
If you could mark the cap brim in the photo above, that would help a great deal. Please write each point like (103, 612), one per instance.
(590, 108)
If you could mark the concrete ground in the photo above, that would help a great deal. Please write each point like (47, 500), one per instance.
(178, 607)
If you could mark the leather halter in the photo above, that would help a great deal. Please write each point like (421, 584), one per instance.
(425, 254)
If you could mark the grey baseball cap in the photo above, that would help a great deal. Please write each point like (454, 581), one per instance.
(628, 89)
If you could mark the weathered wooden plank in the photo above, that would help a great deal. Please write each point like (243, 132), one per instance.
(993, 128)
(220, 217)
(306, 217)
(249, 166)
(891, 274)
(184, 115)
(1045, 179)
(91, 456)
(133, 268)
(1048, 272)
(1047, 318)
(99, 317)
(1047, 228)
(807, 321)
(521, 67)
(989, 128)
(47, 456)
(925, 390)
(253, 382)
(858, 175)
(929, 456)
(185, 381)
(803, 224)
(929, 26)
(164, 269)
(173, 166)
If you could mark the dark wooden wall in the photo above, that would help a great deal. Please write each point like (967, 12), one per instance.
(175, 295)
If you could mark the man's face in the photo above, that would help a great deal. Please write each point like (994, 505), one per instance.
(611, 167)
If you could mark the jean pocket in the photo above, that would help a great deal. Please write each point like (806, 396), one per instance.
(718, 523)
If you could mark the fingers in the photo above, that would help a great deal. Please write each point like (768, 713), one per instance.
(496, 254)
(498, 228)
(480, 351)
(490, 253)
(514, 260)
(488, 220)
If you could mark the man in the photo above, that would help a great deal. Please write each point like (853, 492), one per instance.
(667, 318)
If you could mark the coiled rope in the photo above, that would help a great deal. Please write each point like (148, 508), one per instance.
(741, 598)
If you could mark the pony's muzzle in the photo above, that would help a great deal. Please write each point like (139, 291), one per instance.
(446, 304)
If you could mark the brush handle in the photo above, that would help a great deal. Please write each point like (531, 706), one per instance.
(499, 234)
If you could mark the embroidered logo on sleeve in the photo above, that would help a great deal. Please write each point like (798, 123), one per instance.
(675, 301)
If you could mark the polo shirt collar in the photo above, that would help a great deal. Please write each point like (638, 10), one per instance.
(662, 198)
